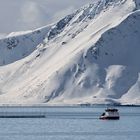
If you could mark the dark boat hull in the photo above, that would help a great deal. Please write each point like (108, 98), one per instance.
(109, 118)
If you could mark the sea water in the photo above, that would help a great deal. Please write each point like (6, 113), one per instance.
(70, 123)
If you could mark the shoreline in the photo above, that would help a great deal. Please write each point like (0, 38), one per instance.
(64, 106)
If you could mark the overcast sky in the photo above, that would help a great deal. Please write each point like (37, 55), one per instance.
(16, 15)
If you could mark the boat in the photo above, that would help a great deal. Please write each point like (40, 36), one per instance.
(110, 114)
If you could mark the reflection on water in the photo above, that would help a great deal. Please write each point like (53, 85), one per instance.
(72, 123)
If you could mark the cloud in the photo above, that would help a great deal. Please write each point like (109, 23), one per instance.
(16, 15)
(30, 14)
(62, 13)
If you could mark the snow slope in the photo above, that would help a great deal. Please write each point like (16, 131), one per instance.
(90, 56)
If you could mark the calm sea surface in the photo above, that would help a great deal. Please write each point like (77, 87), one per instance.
(70, 123)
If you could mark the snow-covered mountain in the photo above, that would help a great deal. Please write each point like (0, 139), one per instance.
(90, 56)
(18, 45)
